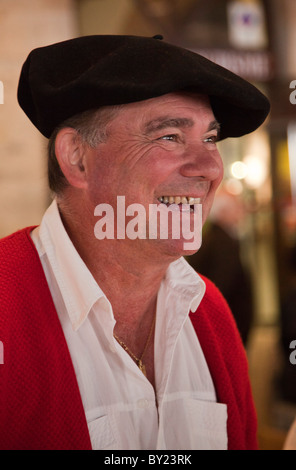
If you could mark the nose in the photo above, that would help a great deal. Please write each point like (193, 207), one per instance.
(204, 164)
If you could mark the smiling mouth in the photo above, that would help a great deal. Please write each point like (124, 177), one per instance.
(180, 201)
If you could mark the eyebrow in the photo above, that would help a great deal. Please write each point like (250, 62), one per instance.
(165, 122)
(214, 125)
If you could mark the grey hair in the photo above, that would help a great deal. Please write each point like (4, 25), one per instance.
(91, 126)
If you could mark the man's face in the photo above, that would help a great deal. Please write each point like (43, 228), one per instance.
(160, 148)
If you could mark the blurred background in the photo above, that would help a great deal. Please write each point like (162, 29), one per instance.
(249, 246)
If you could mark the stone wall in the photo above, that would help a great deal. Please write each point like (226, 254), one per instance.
(24, 25)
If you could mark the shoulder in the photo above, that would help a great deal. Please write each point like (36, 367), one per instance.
(212, 294)
(19, 268)
(214, 321)
(15, 247)
(213, 304)
(15, 238)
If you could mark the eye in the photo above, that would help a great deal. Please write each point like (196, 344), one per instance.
(212, 139)
(170, 137)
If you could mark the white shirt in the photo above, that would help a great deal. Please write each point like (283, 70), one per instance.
(122, 409)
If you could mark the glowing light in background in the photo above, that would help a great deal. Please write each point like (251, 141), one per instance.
(252, 170)
(234, 186)
(257, 171)
(239, 170)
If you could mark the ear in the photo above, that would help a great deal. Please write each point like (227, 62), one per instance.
(70, 153)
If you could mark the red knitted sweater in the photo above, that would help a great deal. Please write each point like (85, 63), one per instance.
(40, 403)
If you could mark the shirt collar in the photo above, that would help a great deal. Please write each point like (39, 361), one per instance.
(79, 289)
(185, 283)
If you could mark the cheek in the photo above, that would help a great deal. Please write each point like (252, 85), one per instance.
(162, 164)
(214, 186)
(220, 172)
(221, 175)
(102, 183)
(221, 165)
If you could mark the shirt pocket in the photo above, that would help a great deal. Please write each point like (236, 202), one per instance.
(208, 424)
(101, 434)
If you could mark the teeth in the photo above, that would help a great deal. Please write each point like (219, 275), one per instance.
(179, 200)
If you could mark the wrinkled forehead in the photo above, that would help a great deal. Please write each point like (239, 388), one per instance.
(175, 103)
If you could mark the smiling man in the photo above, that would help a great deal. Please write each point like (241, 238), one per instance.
(116, 343)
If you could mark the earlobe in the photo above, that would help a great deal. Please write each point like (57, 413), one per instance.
(69, 152)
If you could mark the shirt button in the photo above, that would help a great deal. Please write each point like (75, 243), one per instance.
(143, 403)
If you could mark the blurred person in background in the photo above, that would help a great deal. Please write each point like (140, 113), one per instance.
(220, 258)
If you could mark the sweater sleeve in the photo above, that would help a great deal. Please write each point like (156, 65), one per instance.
(227, 361)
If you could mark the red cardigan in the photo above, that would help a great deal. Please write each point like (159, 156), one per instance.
(40, 403)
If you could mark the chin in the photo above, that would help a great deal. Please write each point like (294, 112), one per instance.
(182, 247)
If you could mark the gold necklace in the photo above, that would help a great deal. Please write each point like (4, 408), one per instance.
(138, 360)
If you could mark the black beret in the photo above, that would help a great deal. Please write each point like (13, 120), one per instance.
(63, 79)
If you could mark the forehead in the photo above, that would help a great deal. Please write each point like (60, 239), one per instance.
(179, 104)
(179, 98)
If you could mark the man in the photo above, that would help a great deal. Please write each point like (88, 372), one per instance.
(115, 342)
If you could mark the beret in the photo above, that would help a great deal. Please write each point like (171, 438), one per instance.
(69, 77)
